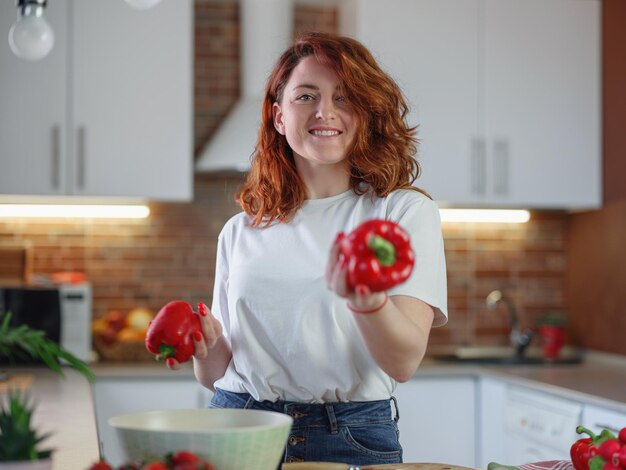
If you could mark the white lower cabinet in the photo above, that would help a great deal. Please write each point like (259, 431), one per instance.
(438, 419)
(596, 418)
(491, 435)
(117, 396)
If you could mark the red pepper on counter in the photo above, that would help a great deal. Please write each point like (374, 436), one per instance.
(585, 452)
(171, 332)
(379, 255)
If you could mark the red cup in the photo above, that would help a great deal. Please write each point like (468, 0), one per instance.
(552, 340)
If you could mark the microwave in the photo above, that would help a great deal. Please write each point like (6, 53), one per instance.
(63, 312)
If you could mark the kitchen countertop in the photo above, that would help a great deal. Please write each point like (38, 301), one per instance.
(64, 408)
(599, 379)
(65, 405)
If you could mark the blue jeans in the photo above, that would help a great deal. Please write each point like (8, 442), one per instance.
(357, 433)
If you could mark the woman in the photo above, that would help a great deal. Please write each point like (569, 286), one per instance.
(284, 332)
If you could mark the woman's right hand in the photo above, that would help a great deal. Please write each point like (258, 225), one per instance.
(203, 343)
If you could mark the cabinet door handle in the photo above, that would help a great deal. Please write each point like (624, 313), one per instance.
(477, 166)
(610, 427)
(501, 167)
(56, 157)
(81, 162)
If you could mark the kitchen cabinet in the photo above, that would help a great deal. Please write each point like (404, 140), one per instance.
(109, 112)
(506, 94)
(538, 426)
(597, 418)
(491, 405)
(437, 419)
(117, 396)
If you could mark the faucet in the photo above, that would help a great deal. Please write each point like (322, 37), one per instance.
(519, 339)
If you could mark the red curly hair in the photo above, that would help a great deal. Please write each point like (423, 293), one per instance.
(383, 148)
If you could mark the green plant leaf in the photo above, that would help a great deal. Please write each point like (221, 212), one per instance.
(18, 440)
(22, 341)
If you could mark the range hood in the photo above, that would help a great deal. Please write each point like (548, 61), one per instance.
(266, 30)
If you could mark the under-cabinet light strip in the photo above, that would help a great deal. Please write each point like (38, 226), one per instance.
(506, 216)
(126, 211)
(97, 211)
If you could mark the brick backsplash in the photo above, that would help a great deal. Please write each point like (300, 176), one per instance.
(171, 254)
(526, 261)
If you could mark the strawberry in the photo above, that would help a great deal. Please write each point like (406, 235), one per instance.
(184, 457)
(156, 465)
(101, 465)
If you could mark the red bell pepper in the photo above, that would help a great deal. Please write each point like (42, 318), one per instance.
(378, 254)
(585, 452)
(581, 452)
(171, 332)
(613, 453)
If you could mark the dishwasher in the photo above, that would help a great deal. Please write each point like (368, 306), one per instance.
(538, 426)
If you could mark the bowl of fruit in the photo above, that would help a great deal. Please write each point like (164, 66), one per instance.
(120, 336)
(229, 439)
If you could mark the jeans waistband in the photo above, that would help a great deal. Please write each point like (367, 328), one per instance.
(332, 414)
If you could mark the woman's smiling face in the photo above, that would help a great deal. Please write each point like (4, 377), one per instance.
(314, 116)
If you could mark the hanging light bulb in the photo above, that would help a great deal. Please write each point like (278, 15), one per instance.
(142, 4)
(31, 37)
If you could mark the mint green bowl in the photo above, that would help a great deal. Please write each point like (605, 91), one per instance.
(230, 439)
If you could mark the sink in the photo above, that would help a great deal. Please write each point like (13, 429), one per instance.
(506, 356)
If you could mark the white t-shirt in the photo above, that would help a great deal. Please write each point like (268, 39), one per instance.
(294, 339)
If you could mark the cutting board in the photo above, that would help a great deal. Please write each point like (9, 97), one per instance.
(19, 382)
(16, 265)
(393, 466)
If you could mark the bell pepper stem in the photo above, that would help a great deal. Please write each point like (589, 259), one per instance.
(383, 249)
(165, 351)
(584, 430)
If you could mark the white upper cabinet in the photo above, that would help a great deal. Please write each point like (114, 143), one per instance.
(33, 110)
(542, 90)
(109, 112)
(506, 94)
